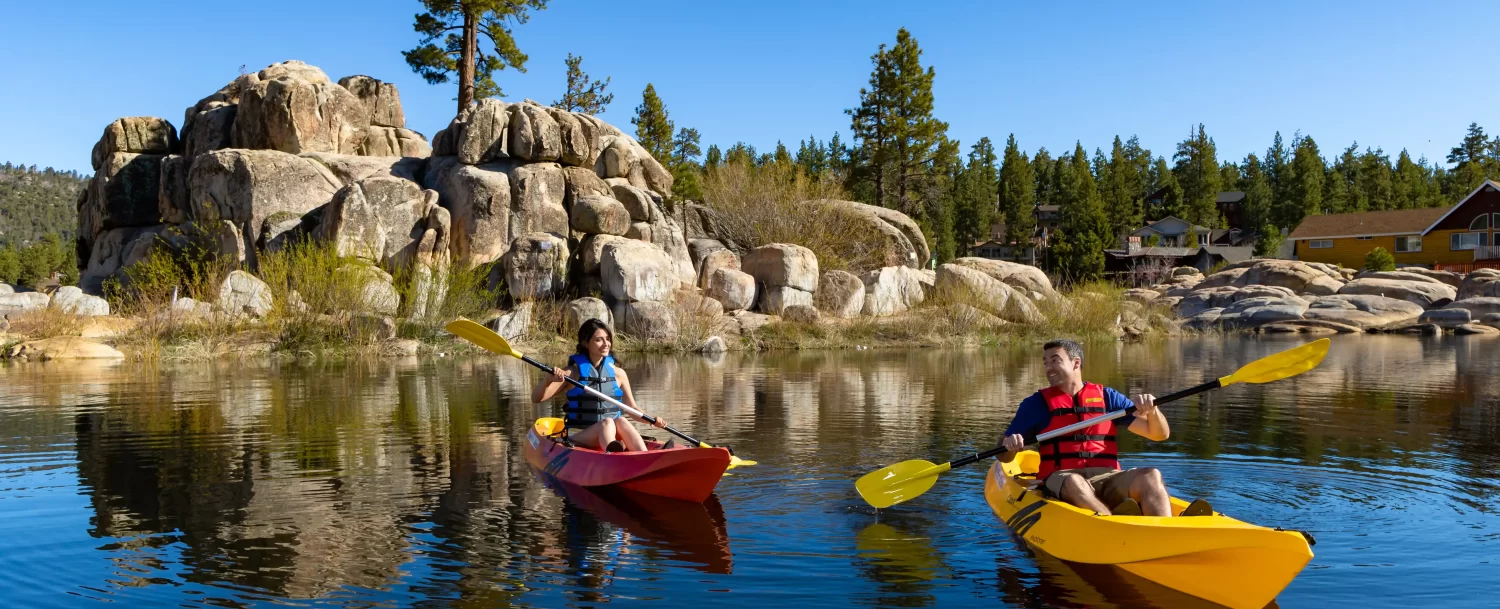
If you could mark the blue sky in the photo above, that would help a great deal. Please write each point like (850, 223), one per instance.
(1387, 74)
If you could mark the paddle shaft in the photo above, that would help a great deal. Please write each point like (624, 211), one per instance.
(1209, 386)
(594, 392)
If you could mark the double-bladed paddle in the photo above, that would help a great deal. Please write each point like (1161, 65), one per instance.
(889, 486)
(494, 343)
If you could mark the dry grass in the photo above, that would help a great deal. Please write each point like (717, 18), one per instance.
(49, 322)
(773, 204)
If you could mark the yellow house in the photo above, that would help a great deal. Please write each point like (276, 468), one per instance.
(1460, 238)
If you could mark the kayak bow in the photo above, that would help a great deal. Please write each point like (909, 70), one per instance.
(686, 472)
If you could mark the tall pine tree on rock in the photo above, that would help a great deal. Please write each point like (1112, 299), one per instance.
(898, 136)
(652, 127)
(582, 95)
(451, 31)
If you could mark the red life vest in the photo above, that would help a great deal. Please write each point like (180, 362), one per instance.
(1087, 447)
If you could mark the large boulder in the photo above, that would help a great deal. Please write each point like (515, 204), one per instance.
(393, 141)
(783, 265)
(113, 251)
(1454, 279)
(1478, 306)
(599, 215)
(478, 135)
(966, 285)
(70, 299)
(1023, 277)
(576, 137)
(377, 290)
(21, 302)
(900, 240)
(1446, 318)
(840, 294)
(298, 112)
(892, 290)
(1251, 312)
(1404, 275)
(634, 271)
(732, 288)
(1363, 311)
(667, 235)
(381, 100)
(209, 126)
(172, 189)
(775, 300)
(646, 320)
(578, 182)
(1425, 293)
(591, 252)
(248, 186)
(377, 219)
(63, 347)
(637, 202)
(1480, 282)
(478, 197)
(125, 192)
(534, 133)
(1291, 274)
(537, 192)
(138, 135)
(582, 310)
(804, 314)
(713, 261)
(536, 266)
(244, 294)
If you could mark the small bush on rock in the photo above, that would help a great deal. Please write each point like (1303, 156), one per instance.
(1380, 260)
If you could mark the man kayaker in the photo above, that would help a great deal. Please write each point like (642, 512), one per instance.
(601, 422)
(1083, 469)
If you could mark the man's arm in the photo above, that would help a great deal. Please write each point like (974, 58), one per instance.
(1026, 423)
(1149, 422)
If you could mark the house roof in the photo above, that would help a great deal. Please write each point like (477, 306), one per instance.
(1369, 223)
(1232, 253)
(1233, 196)
(1163, 252)
(1043, 208)
(1486, 184)
(1152, 225)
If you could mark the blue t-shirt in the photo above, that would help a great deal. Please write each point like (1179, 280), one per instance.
(1032, 416)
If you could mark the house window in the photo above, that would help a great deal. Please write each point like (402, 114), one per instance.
(1320, 244)
(1408, 244)
(1480, 223)
(1468, 241)
(1364, 238)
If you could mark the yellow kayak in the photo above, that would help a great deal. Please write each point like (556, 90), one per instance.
(1217, 558)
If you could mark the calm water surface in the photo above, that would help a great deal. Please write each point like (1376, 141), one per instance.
(402, 483)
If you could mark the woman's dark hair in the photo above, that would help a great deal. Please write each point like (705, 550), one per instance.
(586, 332)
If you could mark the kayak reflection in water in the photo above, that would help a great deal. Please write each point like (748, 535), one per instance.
(1084, 469)
(603, 424)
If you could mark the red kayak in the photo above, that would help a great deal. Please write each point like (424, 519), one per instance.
(687, 473)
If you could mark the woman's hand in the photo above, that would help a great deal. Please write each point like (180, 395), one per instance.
(660, 423)
(559, 375)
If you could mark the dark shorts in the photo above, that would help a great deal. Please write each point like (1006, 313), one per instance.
(1111, 486)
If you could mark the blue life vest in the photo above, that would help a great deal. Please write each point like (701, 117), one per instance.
(584, 410)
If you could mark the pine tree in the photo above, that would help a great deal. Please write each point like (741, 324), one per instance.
(1083, 231)
(460, 23)
(684, 166)
(652, 127)
(976, 198)
(1017, 194)
(1171, 197)
(812, 157)
(782, 156)
(1474, 147)
(10, 265)
(1412, 185)
(1122, 189)
(1339, 193)
(1277, 165)
(1375, 184)
(1305, 182)
(714, 158)
(1259, 203)
(1043, 166)
(582, 95)
(1197, 170)
(900, 139)
(741, 153)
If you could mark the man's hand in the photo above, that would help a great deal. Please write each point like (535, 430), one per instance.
(1013, 443)
(1145, 404)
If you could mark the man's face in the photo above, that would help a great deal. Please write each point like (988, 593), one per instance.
(1060, 367)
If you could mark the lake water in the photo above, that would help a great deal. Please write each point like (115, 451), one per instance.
(402, 483)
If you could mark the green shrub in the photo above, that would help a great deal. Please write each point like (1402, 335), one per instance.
(776, 203)
(1380, 260)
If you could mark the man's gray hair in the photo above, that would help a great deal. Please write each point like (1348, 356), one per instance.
(1073, 349)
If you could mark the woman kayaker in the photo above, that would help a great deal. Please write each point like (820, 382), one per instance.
(1083, 469)
(599, 424)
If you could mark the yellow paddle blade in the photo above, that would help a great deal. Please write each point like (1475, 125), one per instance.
(482, 336)
(733, 460)
(886, 487)
(1286, 364)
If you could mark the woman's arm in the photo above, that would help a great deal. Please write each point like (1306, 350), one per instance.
(549, 385)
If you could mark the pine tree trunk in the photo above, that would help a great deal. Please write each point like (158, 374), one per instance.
(466, 61)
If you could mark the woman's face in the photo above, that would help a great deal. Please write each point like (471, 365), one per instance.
(599, 344)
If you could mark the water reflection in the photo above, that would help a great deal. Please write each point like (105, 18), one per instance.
(399, 483)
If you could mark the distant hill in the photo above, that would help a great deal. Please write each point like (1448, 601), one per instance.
(35, 202)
